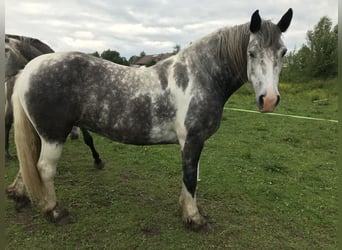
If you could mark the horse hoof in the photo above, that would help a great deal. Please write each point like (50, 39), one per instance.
(196, 223)
(99, 165)
(201, 226)
(59, 216)
(12, 194)
(21, 201)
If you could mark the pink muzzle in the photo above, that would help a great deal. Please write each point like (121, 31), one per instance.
(267, 103)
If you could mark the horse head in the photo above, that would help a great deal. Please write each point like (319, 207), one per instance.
(265, 53)
(14, 60)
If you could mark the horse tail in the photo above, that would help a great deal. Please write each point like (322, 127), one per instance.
(28, 145)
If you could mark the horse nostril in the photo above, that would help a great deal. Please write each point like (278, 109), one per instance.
(261, 101)
(278, 100)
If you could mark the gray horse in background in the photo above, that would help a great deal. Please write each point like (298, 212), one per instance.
(19, 50)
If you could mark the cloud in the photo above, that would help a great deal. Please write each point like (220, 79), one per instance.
(155, 26)
(32, 8)
(141, 29)
(82, 43)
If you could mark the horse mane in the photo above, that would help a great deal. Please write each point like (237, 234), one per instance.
(29, 47)
(232, 49)
(233, 43)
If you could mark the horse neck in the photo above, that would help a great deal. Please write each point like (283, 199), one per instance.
(223, 56)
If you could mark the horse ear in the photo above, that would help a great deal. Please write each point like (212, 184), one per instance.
(255, 22)
(285, 21)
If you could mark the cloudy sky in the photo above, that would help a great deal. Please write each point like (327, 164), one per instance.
(153, 26)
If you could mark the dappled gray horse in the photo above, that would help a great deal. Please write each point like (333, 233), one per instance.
(19, 50)
(179, 100)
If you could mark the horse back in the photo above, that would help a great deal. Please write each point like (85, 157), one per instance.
(119, 102)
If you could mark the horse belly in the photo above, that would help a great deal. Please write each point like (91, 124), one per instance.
(132, 130)
(138, 120)
(163, 133)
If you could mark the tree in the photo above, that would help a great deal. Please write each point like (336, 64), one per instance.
(322, 44)
(176, 49)
(114, 56)
(133, 59)
(318, 57)
(142, 54)
(96, 54)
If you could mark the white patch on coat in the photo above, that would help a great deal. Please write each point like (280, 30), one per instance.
(182, 102)
(190, 212)
(22, 83)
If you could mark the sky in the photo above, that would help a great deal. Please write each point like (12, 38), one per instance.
(152, 26)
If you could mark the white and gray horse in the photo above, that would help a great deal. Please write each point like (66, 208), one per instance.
(19, 50)
(179, 100)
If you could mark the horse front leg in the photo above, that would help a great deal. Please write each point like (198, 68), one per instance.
(191, 215)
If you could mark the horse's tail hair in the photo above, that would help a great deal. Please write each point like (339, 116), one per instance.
(28, 145)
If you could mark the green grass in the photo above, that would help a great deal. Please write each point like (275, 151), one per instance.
(267, 182)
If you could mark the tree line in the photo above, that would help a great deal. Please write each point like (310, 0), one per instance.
(317, 58)
(114, 56)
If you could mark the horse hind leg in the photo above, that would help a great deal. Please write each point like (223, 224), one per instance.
(88, 139)
(8, 125)
(47, 164)
(17, 192)
(38, 161)
(8, 118)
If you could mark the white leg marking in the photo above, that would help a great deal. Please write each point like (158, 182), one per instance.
(47, 164)
(190, 210)
(17, 187)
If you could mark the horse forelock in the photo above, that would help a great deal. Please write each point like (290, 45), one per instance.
(269, 34)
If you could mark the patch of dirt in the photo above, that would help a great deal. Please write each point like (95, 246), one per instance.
(26, 218)
(151, 231)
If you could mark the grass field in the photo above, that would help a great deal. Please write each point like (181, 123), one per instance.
(267, 182)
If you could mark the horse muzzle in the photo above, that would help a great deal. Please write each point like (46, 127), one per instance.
(267, 103)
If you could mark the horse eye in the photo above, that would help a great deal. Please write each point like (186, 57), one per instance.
(251, 54)
(283, 52)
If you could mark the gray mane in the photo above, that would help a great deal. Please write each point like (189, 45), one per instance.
(233, 43)
(28, 47)
(232, 49)
(20, 50)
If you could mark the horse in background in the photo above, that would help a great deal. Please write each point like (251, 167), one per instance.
(179, 100)
(19, 50)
